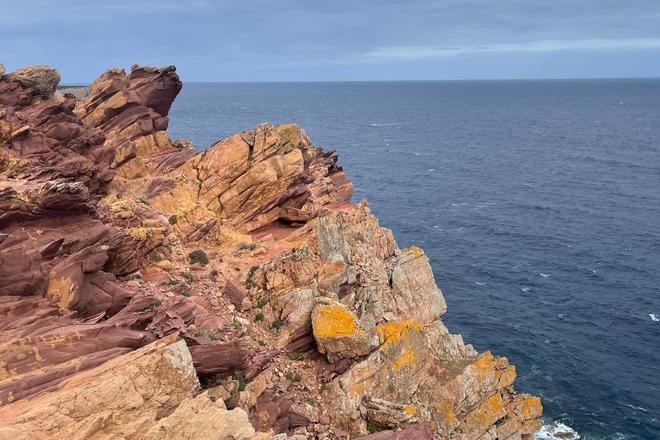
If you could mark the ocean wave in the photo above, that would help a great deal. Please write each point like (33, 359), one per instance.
(557, 431)
(384, 124)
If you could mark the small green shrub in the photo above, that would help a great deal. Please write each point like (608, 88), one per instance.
(158, 302)
(188, 276)
(293, 377)
(208, 334)
(372, 427)
(249, 281)
(241, 380)
(186, 293)
(248, 246)
(236, 325)
(198, 256)
(312, 401)
(261, 302)
(294, 356)
(261, 342)
(277, 324)
(259, 317)
(172, 220)
(172, 282)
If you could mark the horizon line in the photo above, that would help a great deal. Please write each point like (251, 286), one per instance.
(276, 81)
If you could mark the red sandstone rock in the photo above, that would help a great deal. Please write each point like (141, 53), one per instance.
(98, 212)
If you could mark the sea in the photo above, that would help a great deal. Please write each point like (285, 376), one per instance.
(537, 202)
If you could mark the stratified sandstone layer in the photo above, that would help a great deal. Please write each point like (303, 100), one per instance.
(150, 290)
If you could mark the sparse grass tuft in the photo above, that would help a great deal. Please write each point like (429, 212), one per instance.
(277, 324)
(261, 302)
(247, 246)
(236, 325)
(259, 317)
(294, 356)
(249, 281)
(241, 380)
(372, 427)
(172, 220)
(158, 302)
(188, 276)
(172, 282)
(207, 334)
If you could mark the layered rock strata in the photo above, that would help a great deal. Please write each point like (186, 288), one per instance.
(151, 290)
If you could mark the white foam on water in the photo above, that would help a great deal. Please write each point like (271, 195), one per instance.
(653, 317)
(544, 275)
(525, 289)
(479, 284)
(378, 124)
(557, 431)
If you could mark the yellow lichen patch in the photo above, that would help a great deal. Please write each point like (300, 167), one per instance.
(392, 332)
(416, 251)
(358, 388)
(333, 321)
(122, 208)
(485, 364)
(445, 411)
(531, 407)
(488, 412)
(506, 376)
(410, 410)
(403, 360)
(60, 289)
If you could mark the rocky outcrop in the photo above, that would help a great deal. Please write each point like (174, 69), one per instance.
(131, 264)
(147, 394)
(42, 79)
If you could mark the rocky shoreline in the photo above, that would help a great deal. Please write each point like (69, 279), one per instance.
(149, 290)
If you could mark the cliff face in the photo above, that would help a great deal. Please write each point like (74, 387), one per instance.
(148, 290)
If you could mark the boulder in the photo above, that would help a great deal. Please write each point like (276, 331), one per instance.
(339, 334)
(42, 79)
(120, 399)
(202, 418)
(144, 394)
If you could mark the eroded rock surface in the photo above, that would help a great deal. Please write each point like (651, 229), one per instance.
(131, 264)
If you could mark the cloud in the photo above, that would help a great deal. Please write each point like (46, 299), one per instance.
(424, 52)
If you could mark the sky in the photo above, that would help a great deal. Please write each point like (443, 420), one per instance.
(336, 40)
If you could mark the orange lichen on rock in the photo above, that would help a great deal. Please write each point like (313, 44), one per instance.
(334, 321)
(416, 251)
(391, 333)
(405, 359)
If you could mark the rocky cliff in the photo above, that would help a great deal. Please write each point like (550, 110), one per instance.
(150, 290)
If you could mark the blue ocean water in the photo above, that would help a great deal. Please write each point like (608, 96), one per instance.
(538, 203)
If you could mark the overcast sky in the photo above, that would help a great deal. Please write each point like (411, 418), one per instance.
(296, 40)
